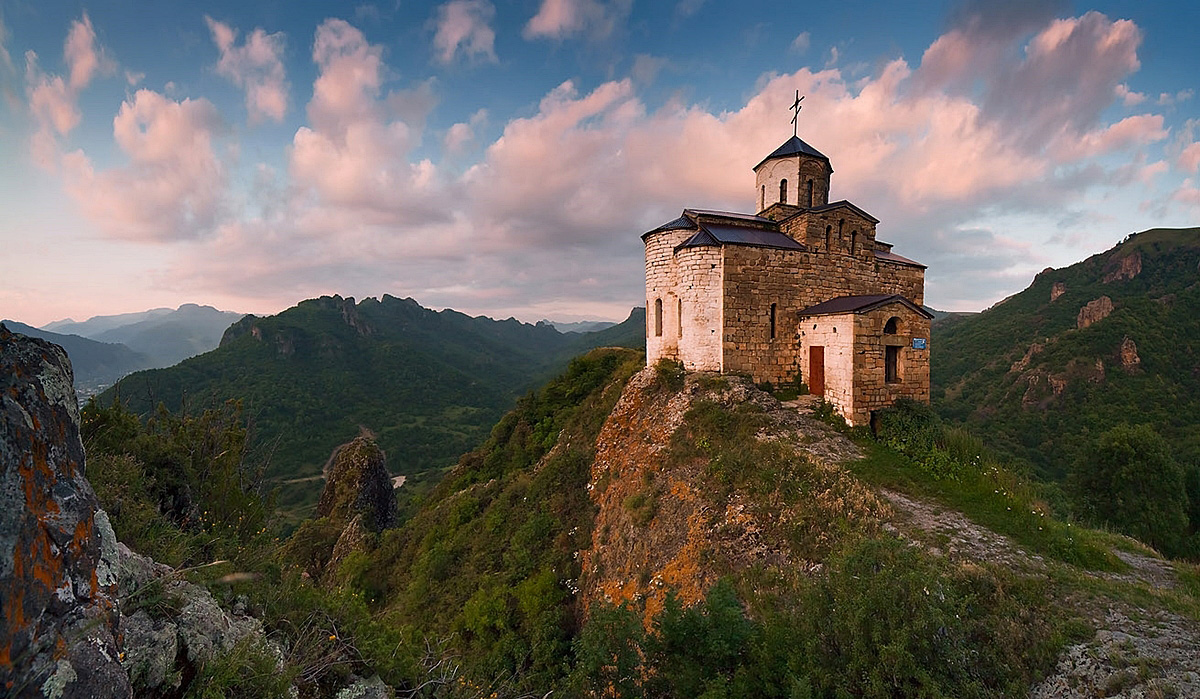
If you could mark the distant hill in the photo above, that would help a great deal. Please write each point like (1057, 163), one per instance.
(99, 324)
(583, 326)
(166, 336)
(1112, 339)
(96, 365)
(429, 384)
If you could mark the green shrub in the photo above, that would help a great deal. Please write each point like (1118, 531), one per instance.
(1129, 481)
(669, 375)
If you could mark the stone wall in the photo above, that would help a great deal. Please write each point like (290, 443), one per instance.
(899, 278)
(755, 278)
(836, 334)
(689, 285)
(872, 391)
(797, 171)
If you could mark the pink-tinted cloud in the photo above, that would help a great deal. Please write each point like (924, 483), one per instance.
(85, 58)
(354, 154)
(173, 186)
(559, 19)
(553, 206)
(1129, 97)
(256, 66)
(53, 100)
(465, 26)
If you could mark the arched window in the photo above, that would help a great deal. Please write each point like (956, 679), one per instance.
(782, 191)
(679, 318)
(828, 237)
(892, 326)
(853, 242)
(810, 193)
(658, 317)
(772, 321)
(762, 199)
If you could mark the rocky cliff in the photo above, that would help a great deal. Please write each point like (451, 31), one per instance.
(58, 553)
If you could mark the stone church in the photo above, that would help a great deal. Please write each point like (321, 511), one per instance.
(800, 290)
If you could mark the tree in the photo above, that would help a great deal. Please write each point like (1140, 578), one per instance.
(1128, 480)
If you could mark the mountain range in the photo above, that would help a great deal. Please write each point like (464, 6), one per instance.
(427, 384)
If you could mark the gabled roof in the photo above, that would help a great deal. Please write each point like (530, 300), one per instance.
(861, 304)
(794, 146)
(681, 223)
(843, 204)
(898, 259)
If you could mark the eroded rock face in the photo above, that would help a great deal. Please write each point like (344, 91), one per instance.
(1130, 361)
(58, 553)
(1094, 312)
(1127, 267)
(357, 483)
(1057, 290)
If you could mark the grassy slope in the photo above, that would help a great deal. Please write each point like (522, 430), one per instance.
(972, 356)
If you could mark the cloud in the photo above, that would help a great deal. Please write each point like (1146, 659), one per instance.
(1168, 99)
(461, 134)
(53, 100)
(1129, 97)
(547, 215)
(8, 71)
(354, 154)
(173, 186)
(687, 8)
(465, 25)
(559, 19)
(256, 66)
(85, 58)
(801, 43)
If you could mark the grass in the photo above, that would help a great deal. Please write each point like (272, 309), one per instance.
(996, 499)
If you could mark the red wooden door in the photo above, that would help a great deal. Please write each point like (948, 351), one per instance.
(816, 371)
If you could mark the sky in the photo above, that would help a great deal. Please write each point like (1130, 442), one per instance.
(503, 158)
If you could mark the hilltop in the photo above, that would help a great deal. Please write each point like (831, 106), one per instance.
(1112, 339)
(427, 384)
(96, 364)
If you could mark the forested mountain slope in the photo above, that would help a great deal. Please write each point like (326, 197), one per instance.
(1113, 339)
(428, 384)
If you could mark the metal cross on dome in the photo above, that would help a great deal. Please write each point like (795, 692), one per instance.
(796, 108)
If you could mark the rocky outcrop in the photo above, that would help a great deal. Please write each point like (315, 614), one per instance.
(58, 553)
(1094, 312)
(357, 484)
(1127, 267)
(1130, 361)
(1023, 363)
(173, 627)
(1057, 290)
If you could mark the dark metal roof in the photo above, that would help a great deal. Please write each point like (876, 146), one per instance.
(681, 223)
(861, 304)
(845, 204)
(898, 259)
(742, 235)
(794, 146)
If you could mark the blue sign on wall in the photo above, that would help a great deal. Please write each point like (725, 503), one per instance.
(918, 343)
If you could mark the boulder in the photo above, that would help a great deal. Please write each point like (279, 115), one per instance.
(1130, 361)
(357, 484)
(58, 553)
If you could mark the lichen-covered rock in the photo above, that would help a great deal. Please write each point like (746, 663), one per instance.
(1094, 312)
(373, 688)
(357, 483)
(172, 627)
(57, 550)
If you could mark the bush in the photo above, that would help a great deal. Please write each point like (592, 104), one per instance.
(1128, 480)
(669, 375)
